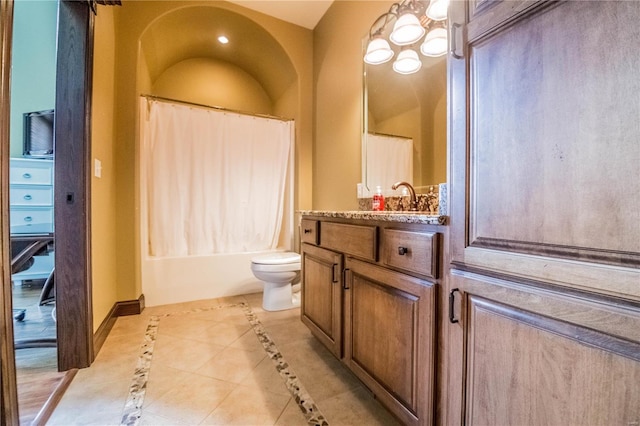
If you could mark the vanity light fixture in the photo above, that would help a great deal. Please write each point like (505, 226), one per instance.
(413, 19)
(407, 62)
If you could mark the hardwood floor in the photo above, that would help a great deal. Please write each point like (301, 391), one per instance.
(37, 368)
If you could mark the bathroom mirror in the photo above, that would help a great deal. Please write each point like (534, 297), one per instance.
(404, 110)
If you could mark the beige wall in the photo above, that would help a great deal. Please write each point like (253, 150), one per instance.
(338, 71)
(103, 189)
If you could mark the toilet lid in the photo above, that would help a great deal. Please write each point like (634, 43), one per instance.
(277, 258)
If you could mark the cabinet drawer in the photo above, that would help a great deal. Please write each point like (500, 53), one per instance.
(412, 251)
(31, 195)
(355, 240)
(309, 231)
(33, 173)
(30, 221)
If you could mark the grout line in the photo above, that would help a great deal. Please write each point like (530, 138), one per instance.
(132, 410)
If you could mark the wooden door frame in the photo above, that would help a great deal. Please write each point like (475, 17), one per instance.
(72, 204)
(8, 390)
(72, 197)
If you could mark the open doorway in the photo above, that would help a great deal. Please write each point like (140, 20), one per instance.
(74, 331)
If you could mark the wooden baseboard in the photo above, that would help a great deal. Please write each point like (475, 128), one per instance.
(119, 309)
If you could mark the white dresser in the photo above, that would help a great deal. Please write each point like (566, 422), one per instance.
(31, 196)
(31, 209)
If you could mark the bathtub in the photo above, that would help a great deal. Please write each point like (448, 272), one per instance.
(181, 279)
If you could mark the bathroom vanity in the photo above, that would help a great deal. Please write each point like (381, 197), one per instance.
(370, 294)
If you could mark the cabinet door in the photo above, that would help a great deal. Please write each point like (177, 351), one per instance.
(390, 338)
(321, 305)
(545, 242)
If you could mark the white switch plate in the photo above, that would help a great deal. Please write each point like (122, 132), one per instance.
(97, 167)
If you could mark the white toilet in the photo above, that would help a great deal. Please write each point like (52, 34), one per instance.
(279, 271)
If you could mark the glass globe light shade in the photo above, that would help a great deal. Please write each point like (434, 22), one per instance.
(437, 10)
(378, 51)
(435, 43)
(407, 30)
(407, 62)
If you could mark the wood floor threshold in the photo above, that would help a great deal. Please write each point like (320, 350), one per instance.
(52, 402)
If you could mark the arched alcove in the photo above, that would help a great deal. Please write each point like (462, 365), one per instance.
(181, 58)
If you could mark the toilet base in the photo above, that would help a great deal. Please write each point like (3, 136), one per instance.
(278, 297)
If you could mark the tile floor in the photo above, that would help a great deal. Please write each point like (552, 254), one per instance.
(218, 362)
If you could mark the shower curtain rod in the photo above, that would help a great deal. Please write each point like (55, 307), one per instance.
(218, 108)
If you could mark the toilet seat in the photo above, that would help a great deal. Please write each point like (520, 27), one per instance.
(277, 258)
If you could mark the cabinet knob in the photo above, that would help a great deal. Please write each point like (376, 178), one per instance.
(27, 197)
(402, 251)
(28, 219)
(307, 231)
(26, 175)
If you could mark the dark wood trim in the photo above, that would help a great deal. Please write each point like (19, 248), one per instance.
(8, 389)
(72, 178)
(53, 400)
(584, 254)
(130, 307)
(119, 309)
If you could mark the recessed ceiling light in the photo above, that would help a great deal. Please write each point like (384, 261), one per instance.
(223, 40)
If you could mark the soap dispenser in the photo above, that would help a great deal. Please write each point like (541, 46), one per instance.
(378, 200)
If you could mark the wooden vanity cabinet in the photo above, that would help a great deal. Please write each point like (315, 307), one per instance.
(389, 323)
(369, 294)
(321, 303)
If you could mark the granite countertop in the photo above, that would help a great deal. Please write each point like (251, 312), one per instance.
(385, 216)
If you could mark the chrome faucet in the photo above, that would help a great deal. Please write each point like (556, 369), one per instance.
(413, 203)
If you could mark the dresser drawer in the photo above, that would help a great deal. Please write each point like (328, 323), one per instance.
(415, 252)
(33, 172)
(35, 220)
(309, 231)
(355, 240)
(28, 195)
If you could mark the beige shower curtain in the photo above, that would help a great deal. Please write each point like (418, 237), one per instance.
(215, 179)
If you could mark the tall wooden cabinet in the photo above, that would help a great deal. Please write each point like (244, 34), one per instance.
(545, 213)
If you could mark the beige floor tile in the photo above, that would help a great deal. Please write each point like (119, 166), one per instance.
(209, 367)
(132, 324)
(201, 330)
(232, 364)
(183, 354)
(265, 376)
(161, 380)
(248, 406)
(191, 400)
(292, 416)
(91, 402)
(287, 332)
(248, 341)
(319, 371)
(356, 407)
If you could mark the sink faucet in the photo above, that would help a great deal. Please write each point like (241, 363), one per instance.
(413, 203)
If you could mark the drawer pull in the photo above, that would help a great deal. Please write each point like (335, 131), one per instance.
(26, 175)
(27, 197)
(452, 299)
(307, 230)
(402, 250)
(28, 219)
